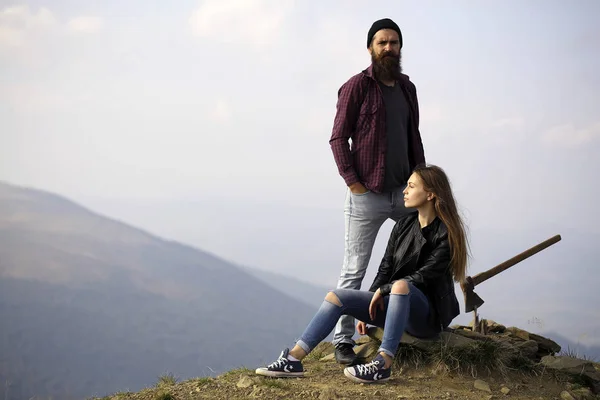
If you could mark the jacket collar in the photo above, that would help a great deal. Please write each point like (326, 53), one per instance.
(437, 228)
(433, 226)
(434, 230)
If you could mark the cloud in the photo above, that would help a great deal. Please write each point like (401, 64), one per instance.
(508, 123)
(571, 136)
(85, 24)
(10, 37)
(254, 22)
(21, 27)
(25, 99)
(222, 111)
(18, 23)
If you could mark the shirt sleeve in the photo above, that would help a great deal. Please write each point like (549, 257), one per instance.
(344, 125)
(420, 152)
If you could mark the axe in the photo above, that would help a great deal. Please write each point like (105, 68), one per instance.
(472, 300)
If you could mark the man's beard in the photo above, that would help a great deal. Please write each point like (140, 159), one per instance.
(387, 66)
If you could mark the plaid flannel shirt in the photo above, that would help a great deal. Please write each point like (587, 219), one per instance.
(360, 116)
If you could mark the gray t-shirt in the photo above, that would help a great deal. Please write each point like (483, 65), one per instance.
(397, 166)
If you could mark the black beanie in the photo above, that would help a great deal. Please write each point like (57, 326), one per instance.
(385, 23)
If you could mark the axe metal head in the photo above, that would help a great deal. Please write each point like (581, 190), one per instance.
(472, 300)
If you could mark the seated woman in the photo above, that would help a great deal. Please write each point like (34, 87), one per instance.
(413, 290)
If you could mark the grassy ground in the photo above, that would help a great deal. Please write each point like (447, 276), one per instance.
(446, 375)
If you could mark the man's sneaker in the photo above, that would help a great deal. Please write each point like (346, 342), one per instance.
(372, 372)
(344, 354)
(282, 367)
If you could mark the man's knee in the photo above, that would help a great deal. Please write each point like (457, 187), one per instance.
(400, 287)
(333, 299)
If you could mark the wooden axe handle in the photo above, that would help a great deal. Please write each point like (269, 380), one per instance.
(484, 276)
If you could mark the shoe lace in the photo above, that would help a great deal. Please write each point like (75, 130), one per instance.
(280, 362)
(369, 368)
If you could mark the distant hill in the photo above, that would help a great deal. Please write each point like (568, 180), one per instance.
(574, 348)
(305, 292)
(89, 305)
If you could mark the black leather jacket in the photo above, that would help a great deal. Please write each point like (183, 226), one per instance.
(422, 257)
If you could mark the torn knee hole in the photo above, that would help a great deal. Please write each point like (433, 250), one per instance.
(400, 287)
(333, 299)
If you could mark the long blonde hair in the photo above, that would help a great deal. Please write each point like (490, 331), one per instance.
(436, 181)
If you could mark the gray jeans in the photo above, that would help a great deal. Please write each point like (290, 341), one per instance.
(364, 215)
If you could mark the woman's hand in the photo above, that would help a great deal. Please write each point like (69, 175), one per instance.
(376, 302)
(361, 327)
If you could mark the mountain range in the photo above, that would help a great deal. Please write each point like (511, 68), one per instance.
(90, 305)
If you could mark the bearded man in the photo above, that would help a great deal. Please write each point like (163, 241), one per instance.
(378, 111)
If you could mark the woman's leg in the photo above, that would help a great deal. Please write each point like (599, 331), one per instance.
(408, 310)
(407, 307)
(338, 302)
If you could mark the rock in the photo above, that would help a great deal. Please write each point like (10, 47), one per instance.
(583, 394)
(498, 328)
(481, 326)
(377, 393)
(363, 339)
(375, 333)
(564, 363)
(505, 390)
(244, 382)
(256, 393)
(328, 357)
(519, 333)
(509, 347)
(482, 385)
(324, 348)
(470, 334)
(576, 367)
(528, 348)
(545, 344)
(454, 340)
(494, 327)
(567, 396)
(447, 337)
(366, 350)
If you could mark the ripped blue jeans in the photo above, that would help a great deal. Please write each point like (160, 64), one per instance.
(402, 312)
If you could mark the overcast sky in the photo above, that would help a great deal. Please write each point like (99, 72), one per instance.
(208, 122)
